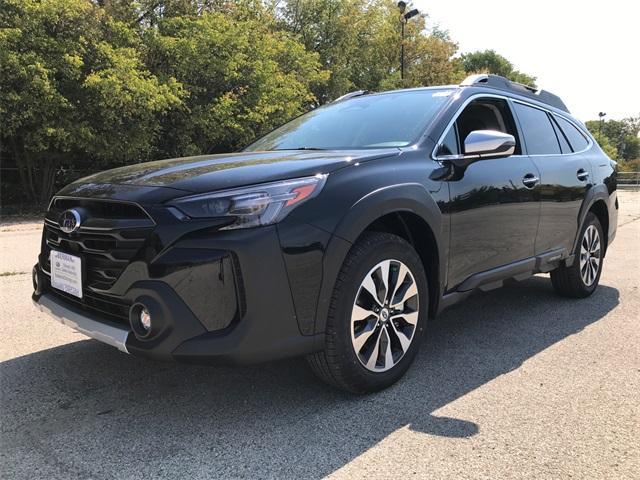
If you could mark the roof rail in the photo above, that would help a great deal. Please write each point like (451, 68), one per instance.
(502, 83)
(349, 95)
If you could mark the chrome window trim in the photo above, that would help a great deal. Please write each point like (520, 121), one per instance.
(510, 99)
(580, 129)
(551, 112)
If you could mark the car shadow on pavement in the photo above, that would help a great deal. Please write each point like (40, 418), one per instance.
(86, 410)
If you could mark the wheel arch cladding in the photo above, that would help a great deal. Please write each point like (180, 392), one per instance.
(596, 202)
(415, 230)
(407, 210)
(599, 209)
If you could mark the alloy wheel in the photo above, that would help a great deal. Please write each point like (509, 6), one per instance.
(384, 315)
(590, 255)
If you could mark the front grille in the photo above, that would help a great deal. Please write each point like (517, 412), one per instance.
(101, 208)
(111, 235)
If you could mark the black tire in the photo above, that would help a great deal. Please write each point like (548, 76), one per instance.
(339, 365)
(569, 281)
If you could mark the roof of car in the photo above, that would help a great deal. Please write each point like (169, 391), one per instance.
(497, 82)
(487, 81)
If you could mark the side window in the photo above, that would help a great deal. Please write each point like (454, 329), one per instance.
(576, 139)
(538, 132)
(487, 114)
(481, 114)
(450, 143)
(564, 144)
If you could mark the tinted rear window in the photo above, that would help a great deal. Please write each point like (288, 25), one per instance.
(537, 130)
(576, 139)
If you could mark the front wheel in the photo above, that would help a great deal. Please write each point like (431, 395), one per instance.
(376, 317)
(581, 278)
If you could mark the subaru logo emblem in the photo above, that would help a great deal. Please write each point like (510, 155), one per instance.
(69, 221)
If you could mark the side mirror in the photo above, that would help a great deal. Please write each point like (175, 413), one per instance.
(482, 144)
(489, 143)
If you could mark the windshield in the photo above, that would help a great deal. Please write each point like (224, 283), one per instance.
(372, 121)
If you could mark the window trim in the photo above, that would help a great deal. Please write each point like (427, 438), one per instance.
(456, 138)
(550, 120)
(580, 130)
(559, 133)
(508, 100)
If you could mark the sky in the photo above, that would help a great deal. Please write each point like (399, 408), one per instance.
(586, 52)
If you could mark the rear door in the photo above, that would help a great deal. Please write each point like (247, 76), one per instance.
(554, 144)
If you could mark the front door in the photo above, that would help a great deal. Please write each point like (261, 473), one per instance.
(494, 206)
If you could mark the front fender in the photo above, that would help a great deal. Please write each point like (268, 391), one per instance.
(405, 197)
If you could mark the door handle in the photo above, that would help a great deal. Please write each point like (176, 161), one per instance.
(582, 175)
(530, 180)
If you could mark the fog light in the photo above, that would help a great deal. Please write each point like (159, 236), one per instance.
(145, 319)
(140, 319)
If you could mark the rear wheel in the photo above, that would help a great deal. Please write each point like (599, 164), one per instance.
(377, 316)
(581, 278)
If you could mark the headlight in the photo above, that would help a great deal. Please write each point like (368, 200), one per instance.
(252, 206)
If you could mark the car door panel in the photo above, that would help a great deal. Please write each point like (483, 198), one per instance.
(564, 181)
(493, 214)
(561, 195)
(494, 217)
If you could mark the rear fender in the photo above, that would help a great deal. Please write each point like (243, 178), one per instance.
(594, 194)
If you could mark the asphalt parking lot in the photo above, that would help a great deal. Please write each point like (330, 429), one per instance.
(513, 383)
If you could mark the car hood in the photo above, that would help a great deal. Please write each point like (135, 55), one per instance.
(218, 172)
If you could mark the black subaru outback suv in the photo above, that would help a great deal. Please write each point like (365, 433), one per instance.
(337, 235)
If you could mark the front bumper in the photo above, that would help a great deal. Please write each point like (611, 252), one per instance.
(192, 293)
(84, 322)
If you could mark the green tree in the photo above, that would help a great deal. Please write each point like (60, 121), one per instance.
(430, 57)
(606, 145)
(335, 30)
(90, 84)
(73, 90)
(359, 43)
(622, 134)
(93, 84)
(241, 79)
(40, 56)
(488, 61)
(630, 166)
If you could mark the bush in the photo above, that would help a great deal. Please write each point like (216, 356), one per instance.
(629, 165)
(86, 85)
(84, 88)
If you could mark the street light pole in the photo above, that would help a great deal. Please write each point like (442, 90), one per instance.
(601, 115)
(404, 18)
(402, 22)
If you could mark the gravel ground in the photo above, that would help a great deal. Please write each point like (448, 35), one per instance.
(513, 383)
